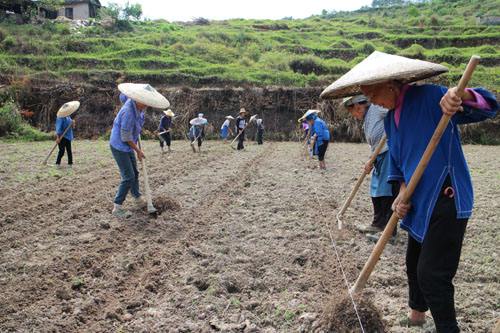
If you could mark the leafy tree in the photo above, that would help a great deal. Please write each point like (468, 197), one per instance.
(134, 11)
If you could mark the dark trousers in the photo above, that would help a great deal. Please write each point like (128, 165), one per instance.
(165, 139)
(65, 144)
(260, 137)
(382, 208)
(241, 139)
(432, 265)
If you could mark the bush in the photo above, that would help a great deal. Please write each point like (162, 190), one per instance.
(3, 34)
(10, 119)
(487, 50)
(390, 49)
(12, 125)
(414, 51)
(8, 43)
(367, 48)
(307, 66)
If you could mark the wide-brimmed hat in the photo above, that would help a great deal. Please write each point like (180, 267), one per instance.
(242, 110)
(198, 121)
(350, 101)
(230, 117)
(144, 94)
(200, 115)
(301, 119)
(380, 67)
(68, 109)
(169, 113)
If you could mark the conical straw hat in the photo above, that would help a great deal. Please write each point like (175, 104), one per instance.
(144, 94)
(169, 113)
(230, 117)
(68, 109)
(380, 67)
(198, 121)
(301, 119)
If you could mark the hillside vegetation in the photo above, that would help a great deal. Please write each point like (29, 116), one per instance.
(286, 52)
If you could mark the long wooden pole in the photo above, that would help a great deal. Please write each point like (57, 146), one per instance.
(149, 199)
(361, 178)
(53, 148)
(415, 178)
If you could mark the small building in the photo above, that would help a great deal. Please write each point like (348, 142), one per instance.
(79, 9)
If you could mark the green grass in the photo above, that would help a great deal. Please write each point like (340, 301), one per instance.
(305, 52)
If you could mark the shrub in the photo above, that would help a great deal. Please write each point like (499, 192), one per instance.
(390, 49)
(487, 49)
(367, 48)
(3, 34)
(8, 43)
(414, 51)
(307, 66)
(13, 126)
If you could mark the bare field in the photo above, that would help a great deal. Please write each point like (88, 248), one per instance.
(243, 247)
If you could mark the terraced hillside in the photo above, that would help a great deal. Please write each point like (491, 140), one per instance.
(308, 52)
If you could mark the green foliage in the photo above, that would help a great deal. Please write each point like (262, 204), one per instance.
(132, 11)
(312, 51)
(13, 126)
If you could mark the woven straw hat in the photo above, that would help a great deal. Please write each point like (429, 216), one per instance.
(198, 121)
(169, 113)
(230, 117)
(144, 94)
(381, 67)
(301, 119)
(68, 109)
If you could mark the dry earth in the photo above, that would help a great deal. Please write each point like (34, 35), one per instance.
(241, 247)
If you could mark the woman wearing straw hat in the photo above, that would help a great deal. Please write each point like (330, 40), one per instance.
(164, 129)
(241, 124)
(125, 133)
(260, 131)
(442, 202)
(320, 136)
(225, 129)
(197, 131)
(64, 131)
(382, 193)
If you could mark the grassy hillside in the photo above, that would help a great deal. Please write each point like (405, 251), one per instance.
(306, 52)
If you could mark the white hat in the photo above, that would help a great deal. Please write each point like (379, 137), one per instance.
(144, 94)
(301, 119)
(200, 115)
(169, 113)
(230, 117)
(381, 67)
(68, 109)
(349, 101)
(198, 121)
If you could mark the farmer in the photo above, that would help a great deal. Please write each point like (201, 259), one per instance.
(240, 127)
(381, 192)
(125, 133)
(164, 129)
(260, 131)
(64, 131)
(225, 129)
(197, 131)
(320, 136)
(441, 205)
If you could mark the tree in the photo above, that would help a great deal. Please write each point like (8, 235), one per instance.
(134, 11)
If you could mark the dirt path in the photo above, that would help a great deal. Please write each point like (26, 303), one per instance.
(247, 251)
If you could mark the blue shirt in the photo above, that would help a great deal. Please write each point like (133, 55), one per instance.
(195, 132)
(127, 126)
(420, 115)
(320, 128)
(165, 123)
(61, 125)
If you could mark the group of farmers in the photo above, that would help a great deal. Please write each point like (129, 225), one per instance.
(378, 92)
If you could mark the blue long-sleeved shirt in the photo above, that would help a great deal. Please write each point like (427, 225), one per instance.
(61, 125)
(407, 142)
(127, 126)
(165, 123)
(322, 132)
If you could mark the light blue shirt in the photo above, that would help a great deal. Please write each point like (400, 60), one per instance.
(127, 126)
(61, 125)
(373, 126)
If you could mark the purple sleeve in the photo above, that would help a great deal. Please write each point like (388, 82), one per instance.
(479, 103)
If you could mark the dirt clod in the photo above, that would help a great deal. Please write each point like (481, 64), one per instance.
(339, 316)
(163, 204)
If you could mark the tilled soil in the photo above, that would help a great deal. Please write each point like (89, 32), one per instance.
(241, 245)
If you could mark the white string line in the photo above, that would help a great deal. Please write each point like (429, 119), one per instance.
(341, 267)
